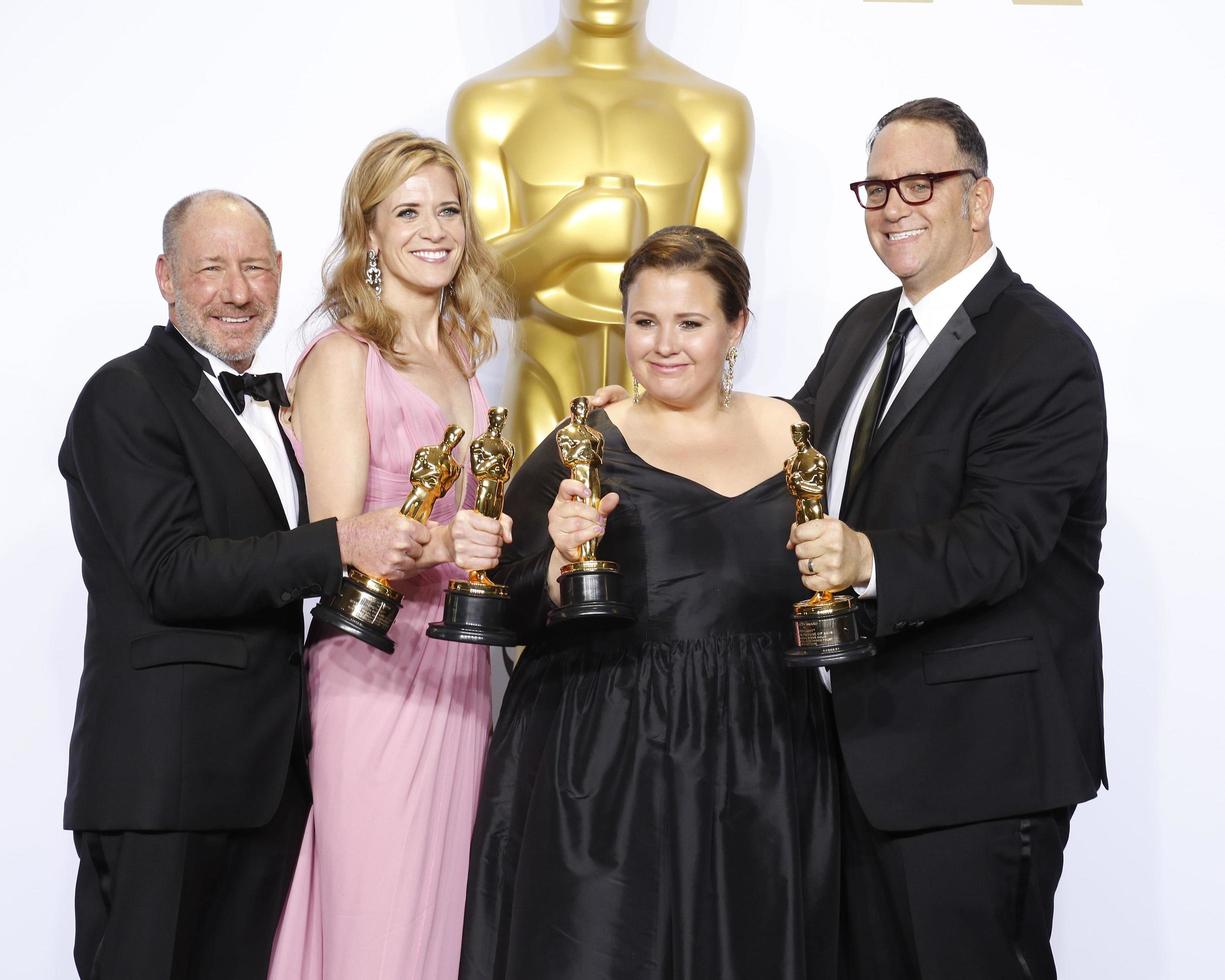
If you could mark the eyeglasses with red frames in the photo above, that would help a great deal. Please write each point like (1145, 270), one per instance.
(873, 195)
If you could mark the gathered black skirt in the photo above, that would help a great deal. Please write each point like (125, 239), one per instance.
(665, 810)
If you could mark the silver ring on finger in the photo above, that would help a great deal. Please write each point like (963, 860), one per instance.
(811, 570)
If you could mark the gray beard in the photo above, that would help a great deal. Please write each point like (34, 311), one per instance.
(191, 327)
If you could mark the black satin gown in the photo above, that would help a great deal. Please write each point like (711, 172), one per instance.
(660, 799)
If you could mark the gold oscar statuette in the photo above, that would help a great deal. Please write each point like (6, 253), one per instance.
(366, 605)
(590, 588)
(475, 610)
(826, 631)
(577, 149)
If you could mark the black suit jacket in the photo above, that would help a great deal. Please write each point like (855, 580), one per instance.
(191, 685)
(984, 497)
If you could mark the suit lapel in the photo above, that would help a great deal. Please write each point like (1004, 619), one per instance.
(298, 476)
(838, 387)
(931, 365)
(212, 406)
(954, 335)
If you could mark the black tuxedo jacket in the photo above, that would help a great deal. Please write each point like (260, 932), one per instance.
(192, 681)
(984, 497)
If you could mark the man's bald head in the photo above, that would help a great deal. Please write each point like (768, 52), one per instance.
(172, 224)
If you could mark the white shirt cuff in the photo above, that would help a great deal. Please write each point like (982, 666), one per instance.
(869, 590)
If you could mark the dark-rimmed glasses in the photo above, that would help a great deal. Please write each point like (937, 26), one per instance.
(873, 195)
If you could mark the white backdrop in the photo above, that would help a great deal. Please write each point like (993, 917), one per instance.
(1103, 125)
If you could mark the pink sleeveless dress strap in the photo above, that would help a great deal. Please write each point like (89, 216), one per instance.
(398, 749)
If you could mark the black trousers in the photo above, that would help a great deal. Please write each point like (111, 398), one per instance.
(187, 905)
(970, 902)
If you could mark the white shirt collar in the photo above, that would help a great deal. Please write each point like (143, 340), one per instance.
(216, 363)
(935, 309)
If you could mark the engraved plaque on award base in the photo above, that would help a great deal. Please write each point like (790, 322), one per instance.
(366, 606)
(826, 632)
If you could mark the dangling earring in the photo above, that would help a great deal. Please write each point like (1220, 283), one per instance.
(637, 392)
(728, 378)
(374, 275)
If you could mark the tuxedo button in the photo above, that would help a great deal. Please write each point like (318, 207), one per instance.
(295, 657)
(287, 597)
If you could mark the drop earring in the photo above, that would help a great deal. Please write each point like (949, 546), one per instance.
(374, 275)
(728, 378)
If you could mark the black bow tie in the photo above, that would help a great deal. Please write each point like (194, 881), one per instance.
(262, 387)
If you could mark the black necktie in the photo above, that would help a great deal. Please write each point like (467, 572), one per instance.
(878, 397)
(261, 387)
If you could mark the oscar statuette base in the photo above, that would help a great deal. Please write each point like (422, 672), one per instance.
(365, 607)
(826, 633)
(591, 591)
(474, 613)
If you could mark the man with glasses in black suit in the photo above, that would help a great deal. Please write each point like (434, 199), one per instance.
(964, 420)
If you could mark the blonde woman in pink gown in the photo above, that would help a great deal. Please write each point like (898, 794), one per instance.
(398, 741)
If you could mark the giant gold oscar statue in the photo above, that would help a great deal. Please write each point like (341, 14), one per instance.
(577, 149)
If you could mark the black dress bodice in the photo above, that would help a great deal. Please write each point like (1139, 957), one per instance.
(694, 563)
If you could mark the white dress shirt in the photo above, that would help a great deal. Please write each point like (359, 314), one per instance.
(259, 421)
(931, 314)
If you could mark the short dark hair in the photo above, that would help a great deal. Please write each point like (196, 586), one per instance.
(970, 143)
(693, 249)
(178, 213)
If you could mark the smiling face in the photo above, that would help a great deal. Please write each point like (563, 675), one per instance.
(418, 231)
(676, 336)
(926, 244)
(222, 279)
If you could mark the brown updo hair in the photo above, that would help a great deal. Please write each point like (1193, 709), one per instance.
(474, 297)
(688, 248)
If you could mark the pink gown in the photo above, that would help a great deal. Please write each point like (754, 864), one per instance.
(399, 745)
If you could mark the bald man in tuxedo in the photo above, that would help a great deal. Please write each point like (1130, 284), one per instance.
(187, 789)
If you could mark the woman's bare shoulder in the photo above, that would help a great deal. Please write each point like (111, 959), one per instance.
(768, 410)
(339, 353)
(616, 411)
(334, 368)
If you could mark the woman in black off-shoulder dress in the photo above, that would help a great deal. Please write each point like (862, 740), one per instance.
(660, 799)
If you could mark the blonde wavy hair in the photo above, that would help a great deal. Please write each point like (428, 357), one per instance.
(474, 297)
